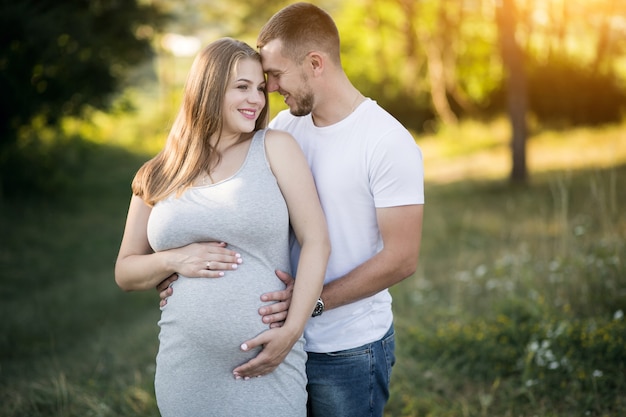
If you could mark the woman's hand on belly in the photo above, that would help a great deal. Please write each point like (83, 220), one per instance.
(200, 260)
(276, 344)
(204, 259)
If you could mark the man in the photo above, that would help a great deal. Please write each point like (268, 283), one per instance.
(369, 175)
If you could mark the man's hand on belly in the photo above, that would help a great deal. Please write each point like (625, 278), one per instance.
(275, 314)
(165, 290)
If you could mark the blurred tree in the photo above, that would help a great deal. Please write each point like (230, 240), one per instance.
(382, 54)
(574, 53)
(433, 60)
(437, 44)
(59, 58)
(215, 18)
(513, 61)
(438, 57)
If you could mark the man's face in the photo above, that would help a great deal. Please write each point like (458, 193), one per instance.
(287, 78)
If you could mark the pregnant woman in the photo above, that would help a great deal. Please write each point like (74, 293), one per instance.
(223, 177)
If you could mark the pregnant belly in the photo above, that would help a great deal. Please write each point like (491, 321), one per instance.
(215, 314)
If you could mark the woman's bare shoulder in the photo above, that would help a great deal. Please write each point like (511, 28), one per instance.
(274, 135)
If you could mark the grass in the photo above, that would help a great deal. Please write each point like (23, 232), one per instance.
(72, 344)
(516, 309)
(518, 306)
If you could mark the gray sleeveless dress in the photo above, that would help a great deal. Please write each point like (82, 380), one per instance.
(206, 320)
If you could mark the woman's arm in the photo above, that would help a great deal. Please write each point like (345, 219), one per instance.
(307, 219)
(309, 224)
(138, 267)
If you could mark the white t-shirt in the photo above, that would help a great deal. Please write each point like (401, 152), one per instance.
(366, 161)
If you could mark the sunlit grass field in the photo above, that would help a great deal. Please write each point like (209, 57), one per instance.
(517, 308)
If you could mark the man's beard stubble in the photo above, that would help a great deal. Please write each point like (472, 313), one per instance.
(304, 105)
(304, 99)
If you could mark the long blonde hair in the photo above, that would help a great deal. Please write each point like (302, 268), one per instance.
(188, 152)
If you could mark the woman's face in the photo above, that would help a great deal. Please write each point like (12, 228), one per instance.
(244, 98)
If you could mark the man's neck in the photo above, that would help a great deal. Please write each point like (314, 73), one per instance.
(329, 112)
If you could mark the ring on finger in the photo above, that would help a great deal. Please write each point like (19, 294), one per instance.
(208, 265)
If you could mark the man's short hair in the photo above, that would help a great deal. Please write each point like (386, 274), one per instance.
(302, 28)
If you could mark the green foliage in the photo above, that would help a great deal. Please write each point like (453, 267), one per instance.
(479, 71)
(74, 343)
(67, 58)
(562, 90)
(522, 360)
(43, 161)
(372, 39)
(481, 350)
(60, 57)
(582, 360)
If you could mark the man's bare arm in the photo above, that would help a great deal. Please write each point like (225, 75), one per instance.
(401, 230)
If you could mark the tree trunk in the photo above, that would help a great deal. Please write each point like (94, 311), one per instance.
(435, 45)
(437, 79)
(513, 61)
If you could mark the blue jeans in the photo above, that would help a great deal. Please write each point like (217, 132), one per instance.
(353, 382)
